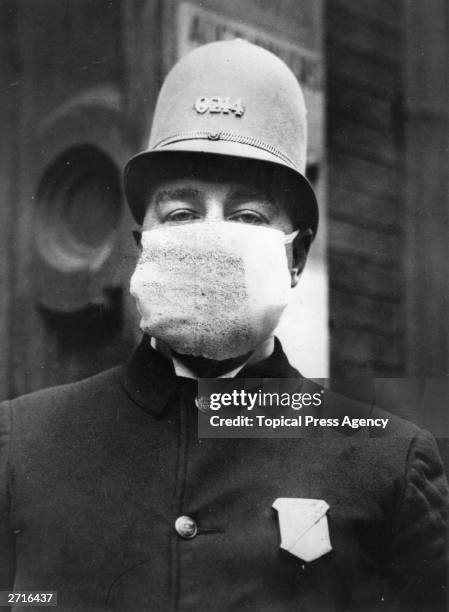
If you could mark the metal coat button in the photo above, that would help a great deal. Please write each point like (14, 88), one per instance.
(186, 527)
(203, 403)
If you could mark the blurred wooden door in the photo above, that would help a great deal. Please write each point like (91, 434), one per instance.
(79, 82)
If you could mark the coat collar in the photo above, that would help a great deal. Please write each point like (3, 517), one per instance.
(149, 377)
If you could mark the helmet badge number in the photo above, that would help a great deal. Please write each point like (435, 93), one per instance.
(216, 104)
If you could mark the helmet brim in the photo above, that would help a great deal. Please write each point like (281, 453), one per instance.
(147, 168)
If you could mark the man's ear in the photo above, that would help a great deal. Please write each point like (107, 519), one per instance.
(300, 249)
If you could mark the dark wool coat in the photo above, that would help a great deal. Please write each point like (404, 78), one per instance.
(94, 474)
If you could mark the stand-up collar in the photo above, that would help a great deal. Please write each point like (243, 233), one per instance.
(149, 377)
(274, 366)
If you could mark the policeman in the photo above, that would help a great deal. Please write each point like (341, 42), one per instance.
(108, 496)
(228, 144)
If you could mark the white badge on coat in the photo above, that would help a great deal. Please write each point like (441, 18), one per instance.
(303, 526)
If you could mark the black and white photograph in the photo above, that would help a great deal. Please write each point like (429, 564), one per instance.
(224, 298)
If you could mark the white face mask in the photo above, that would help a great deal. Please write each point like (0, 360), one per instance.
(212, 289)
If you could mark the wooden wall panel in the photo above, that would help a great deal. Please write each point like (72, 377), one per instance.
(142, 68)
(346, 277)
(427, 187)
(65, 48)
(364, 209)
(380, 14)
(60, 57)
(9, 152)
(355, 347)
(351, 237)
(365, 201)
(375, 178)
(366, 142)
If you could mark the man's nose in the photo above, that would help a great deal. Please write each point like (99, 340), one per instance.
(214, 210)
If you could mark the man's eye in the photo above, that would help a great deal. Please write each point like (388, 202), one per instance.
(181, 216)
(249, 216)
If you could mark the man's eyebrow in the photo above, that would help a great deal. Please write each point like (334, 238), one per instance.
(245, 194)
(181, 193)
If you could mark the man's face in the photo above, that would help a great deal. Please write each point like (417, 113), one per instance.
(181, 199)
(187, 200)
